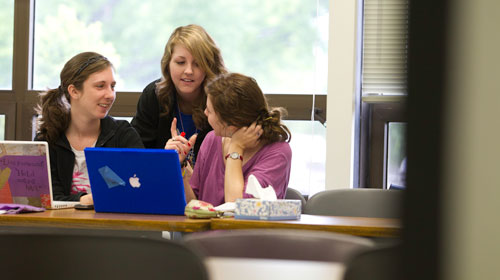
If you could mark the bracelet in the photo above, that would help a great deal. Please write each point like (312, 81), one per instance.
(183, 172)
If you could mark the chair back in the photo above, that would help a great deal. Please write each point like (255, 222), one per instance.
(295, 194)
(277, 244)
(378, 203)
(52, 256)
(379, 263)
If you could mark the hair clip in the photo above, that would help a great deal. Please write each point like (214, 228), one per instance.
(268, 118)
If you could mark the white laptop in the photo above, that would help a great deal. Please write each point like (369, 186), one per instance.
(25, 175)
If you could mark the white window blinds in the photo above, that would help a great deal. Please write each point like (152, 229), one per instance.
(385, 41)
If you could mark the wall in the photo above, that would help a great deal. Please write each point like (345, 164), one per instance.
(471, 193)
(341, 93)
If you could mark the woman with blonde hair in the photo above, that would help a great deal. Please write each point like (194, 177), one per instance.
(75, 116)
(248, 138)
(170, 110)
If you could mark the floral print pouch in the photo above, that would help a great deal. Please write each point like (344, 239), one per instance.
(197, 209)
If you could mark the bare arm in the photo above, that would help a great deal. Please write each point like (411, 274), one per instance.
(233, 178)
(243, 139)
(188, 172)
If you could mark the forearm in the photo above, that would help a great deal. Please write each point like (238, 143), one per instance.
(233, 179)
(188, 191)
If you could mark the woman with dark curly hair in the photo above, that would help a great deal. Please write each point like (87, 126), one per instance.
(248, 138)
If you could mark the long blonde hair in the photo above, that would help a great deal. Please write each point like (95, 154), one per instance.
(55, 104)
(208, 56)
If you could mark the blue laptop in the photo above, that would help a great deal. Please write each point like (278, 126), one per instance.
(127, 180)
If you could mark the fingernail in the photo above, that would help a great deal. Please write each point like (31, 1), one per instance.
(189, 144)
(183, 134)
(185, 153)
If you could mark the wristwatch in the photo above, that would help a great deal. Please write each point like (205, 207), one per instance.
(234, 155)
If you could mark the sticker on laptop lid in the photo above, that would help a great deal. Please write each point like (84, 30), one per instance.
(110, 177)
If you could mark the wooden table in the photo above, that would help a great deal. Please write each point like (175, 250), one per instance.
(243, 268)
(373, 227)
(89, 219)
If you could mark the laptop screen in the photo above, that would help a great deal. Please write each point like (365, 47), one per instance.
(24, 173)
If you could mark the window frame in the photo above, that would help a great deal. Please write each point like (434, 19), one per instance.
(377, 112)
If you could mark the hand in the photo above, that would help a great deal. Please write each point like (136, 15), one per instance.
(187, 172)
(247, 137)
(179, 143)
(86, 199)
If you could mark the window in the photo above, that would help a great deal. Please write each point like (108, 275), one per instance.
(396, 155)
(6, 43)
(385, 40)
(383, 91)
(2, 127)
(308, 164)
(283, 44)
(7, 98)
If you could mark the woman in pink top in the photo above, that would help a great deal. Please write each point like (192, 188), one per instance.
(248, 138)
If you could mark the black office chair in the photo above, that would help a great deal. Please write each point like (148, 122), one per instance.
(378, 203)
(51, 256)
(295, 194)
(277, 244)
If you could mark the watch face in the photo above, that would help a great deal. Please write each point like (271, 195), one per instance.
(234, 155)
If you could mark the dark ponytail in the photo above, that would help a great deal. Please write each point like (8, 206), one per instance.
(54, 110)
(274, 129)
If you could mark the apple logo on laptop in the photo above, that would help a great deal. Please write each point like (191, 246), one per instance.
(134, 181)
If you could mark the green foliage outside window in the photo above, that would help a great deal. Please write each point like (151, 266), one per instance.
(277, 42)
(6, 42)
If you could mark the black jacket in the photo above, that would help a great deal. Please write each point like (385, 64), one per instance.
(153, 129)
(114, 134)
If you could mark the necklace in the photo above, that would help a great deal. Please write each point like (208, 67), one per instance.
(190, 155)
(180, 118)
(182, 123)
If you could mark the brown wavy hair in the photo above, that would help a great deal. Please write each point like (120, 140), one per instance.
(55, 104)
(239, 101)
(208, 56)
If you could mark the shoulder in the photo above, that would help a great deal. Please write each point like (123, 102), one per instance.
(279, 148)
(61, 142)
(151, 87)
(210, 140)
(119, 132)
(149, 93)
(110, 124)
(210, 135)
